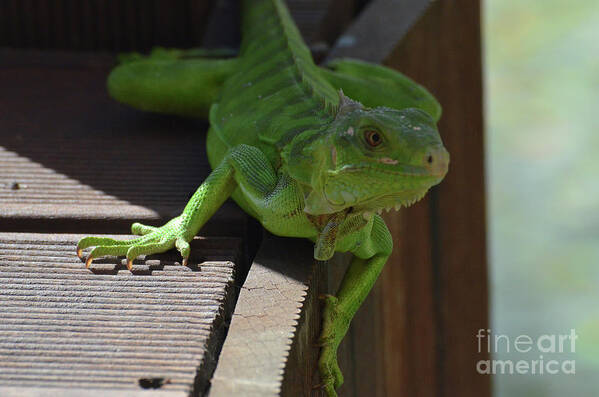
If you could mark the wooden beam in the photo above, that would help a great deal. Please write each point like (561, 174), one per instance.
(376, 30)
(269, 349)
(102, 25)
(415, 334)
(435, 286)
(86, 163)
(67, 330)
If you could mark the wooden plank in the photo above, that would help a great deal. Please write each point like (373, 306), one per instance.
(139, 24)
(422, 305)
(377, 29)
(317, 20)
(414, 335)
(269, 349)
(66, 328)
(435, 287)
(75, 165)
(115, 24)
(408, 306)
(86, 163)
(222, 28)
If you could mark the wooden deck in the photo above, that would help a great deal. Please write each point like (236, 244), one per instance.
(74, 162)
(107, 329)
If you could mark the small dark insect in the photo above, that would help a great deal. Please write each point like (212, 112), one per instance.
(153, 383)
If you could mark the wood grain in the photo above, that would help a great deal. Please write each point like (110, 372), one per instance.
(269, 349)
(71, 157)
(415, 334)
(65, 327)
(441, 293)
(103, 24)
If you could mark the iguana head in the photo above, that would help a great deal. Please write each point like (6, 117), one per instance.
(374, 159)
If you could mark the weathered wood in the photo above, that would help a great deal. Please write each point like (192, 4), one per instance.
(435, 287)
(376, 30)
(71, 157)
(415, 333)
(269, 349)
(102, 24)
(105, 25)
(68, 328)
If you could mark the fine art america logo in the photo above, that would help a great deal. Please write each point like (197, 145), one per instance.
(541, 348)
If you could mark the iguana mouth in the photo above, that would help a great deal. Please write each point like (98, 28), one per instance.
(400, 169)
(388, 202)
(411, 183)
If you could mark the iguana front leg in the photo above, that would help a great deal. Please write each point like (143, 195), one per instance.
(244, 166)
(373, 247)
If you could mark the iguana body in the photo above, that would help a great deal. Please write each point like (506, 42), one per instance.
(293, 151)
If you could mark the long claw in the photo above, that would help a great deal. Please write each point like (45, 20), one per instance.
(184, 248)
(146, 249)
(79, 253)
(88, 262)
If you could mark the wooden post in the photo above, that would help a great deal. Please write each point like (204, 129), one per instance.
(415, 335)
(434, 289)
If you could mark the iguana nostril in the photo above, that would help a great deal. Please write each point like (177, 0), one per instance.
(437, 160)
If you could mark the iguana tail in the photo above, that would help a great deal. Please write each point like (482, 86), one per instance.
(265, 22)
(177, 82)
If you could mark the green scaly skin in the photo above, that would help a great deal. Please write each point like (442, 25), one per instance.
(293, 151)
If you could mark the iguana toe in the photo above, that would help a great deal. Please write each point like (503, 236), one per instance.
(147, 249)
(86, 242)
(330, 374)
(183, 247)
(154, 240)
(141, 230)
(107, 250)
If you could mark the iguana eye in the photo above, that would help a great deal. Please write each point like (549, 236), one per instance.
(373, 138)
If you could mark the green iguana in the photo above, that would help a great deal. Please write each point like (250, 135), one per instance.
(296, 153)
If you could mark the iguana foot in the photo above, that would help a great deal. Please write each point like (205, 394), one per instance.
(331, 377)
(333, 330)
(153, 240)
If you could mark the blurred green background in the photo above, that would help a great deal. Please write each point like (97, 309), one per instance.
(542, 116)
